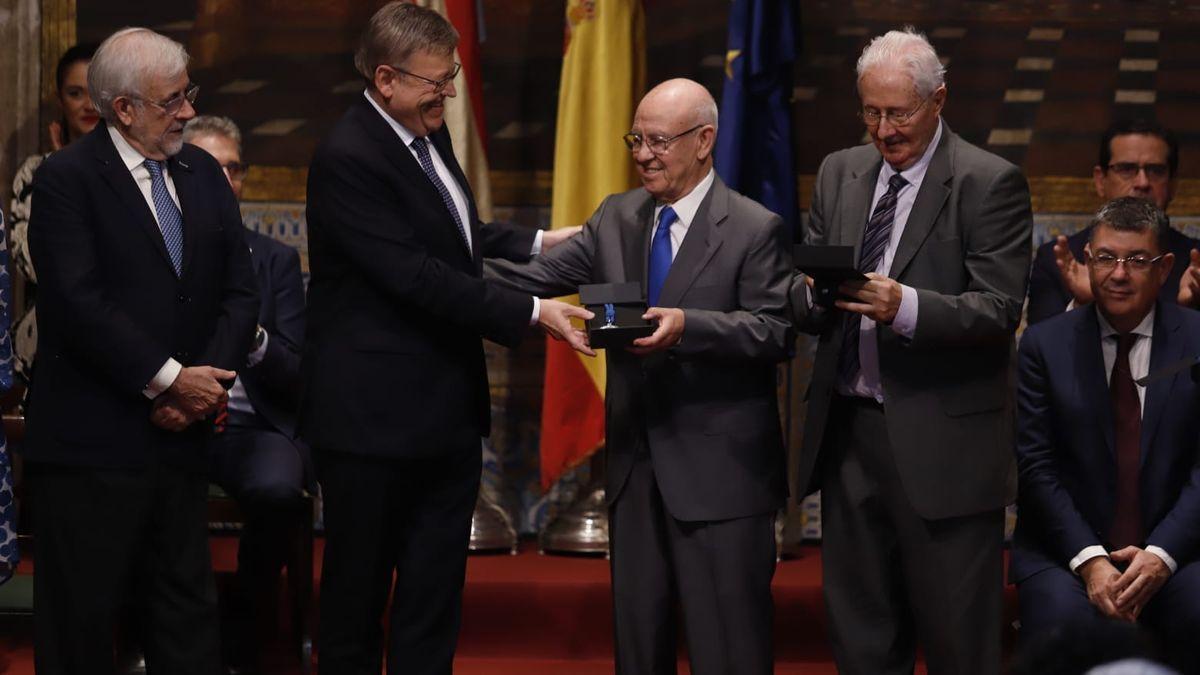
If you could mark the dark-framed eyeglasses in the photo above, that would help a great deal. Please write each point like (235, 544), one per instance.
(897, 118)
(658, 144)
(1106, 262)
(438, 85)
(1156, 172)
(174, 104)
(237, 170)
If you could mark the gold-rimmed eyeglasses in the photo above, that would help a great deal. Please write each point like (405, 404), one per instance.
(174, 104)
(438, 85)
(897, 118)
(1106, 262)
(658, 144)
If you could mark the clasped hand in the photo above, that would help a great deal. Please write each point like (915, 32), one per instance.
(1124, 595)
(877, 297)
(196, 393)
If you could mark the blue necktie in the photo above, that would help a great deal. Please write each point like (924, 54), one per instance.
(170, 221)
(421, 146)
(660, 256)
(875, 240)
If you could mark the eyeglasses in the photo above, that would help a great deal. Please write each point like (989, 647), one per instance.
(438, 85)
(236, 170)
(897, 118)
(172, 105)
(1155, 173)
(657, 144)
(1106, 262)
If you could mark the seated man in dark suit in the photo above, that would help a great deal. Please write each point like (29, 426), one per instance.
(1109, 524)
(1137, 159)
(254, 455)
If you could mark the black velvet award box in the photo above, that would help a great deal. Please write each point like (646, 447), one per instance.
(618, 310)
(828, 266)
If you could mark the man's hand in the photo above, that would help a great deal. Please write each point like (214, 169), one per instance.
(667, 335)
(1100, 578)
(555, 318)
(1143, 577)
(197, 391)
(1074, 273)
(1189, 285)
(167, 415)
(552, 238)
(877, 298)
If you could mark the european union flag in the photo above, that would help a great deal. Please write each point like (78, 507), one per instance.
(754, 137)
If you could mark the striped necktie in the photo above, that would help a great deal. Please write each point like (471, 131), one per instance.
(170, 220)
(421, 146)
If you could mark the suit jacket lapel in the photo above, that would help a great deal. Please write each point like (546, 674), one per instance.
(441, 141)
(859, 192)
(935, 189)
(185, 188)
(635, 242)
(699, 245)
(121, 181)
(1165, 349)
(1093, 380)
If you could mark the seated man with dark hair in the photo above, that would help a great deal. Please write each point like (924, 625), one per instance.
(1109, 524)
(255, 456)
(1137, 159)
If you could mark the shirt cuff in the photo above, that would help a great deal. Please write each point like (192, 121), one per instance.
(163, 379)
(1085, 555)
(259, 354)
(537, 311)
(808, 295)
(905, 323)
(1166, 557)
(537, 243)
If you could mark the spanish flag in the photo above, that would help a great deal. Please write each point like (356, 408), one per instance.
(603, 77)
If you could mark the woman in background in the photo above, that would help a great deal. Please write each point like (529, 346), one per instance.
(79, 117)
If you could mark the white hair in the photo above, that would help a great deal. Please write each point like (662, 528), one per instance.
(213, 125)
(706, 112)
(127, 60)
(911, 50)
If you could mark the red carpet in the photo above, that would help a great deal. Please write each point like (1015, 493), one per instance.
(548, 614)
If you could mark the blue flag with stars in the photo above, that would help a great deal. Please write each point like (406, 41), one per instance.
(754, 135)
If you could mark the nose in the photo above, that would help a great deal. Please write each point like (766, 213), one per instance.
(449, 91)
(186, 112)
(642, 152)
(1120, 271)
(1140, 179)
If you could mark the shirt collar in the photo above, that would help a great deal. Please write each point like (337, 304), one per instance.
(402, 131)
(129, 155)
(1144, 329)
(686, 206)
(915, 173)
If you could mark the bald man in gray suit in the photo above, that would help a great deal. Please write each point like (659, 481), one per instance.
(695, 452)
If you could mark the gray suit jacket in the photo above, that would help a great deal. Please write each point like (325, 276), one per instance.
(948, 392)
(705, 410)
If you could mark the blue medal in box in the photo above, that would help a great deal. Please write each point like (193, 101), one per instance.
(618, 310)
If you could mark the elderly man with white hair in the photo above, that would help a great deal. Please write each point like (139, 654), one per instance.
(911, 405)
(147, 305)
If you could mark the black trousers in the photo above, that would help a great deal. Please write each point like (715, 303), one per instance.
(105, 539)
(892, 578)
(404, 518)
(263, 470)
(718, 573)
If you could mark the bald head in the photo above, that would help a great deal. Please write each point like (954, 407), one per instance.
(677, 122)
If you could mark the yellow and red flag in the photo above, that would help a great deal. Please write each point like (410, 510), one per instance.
(603, 76)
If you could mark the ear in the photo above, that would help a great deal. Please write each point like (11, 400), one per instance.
(1165, 266)
(1098, 181)
(707, 139)
(384, 80)
(938, 99)
(123, 107)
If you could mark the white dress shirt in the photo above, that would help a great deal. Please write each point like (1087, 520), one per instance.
(685, 211)
(867, 383)
(456, 191)
(1139, 366)
(135, 162)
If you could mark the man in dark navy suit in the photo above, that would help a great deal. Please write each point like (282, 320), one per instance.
(1109, 509)
(1137, 159)
(146, 308)
(255, 456)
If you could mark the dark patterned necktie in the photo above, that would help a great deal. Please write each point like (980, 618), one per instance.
(1127, 426)
(875, 240)
(421, 146)
(170, 220)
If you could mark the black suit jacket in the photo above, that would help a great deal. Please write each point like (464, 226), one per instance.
(705, 408)
(1065, 447)
(393, 364)
(111, 310)
(1048, 295)
(273, 384)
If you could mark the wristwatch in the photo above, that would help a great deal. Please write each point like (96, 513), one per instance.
(260, 336)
